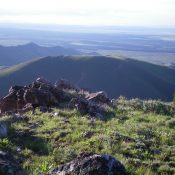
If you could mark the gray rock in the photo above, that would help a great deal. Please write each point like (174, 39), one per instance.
(3, 130)
(91, 164)
(9, 166)
(99, 116)
(98, 97)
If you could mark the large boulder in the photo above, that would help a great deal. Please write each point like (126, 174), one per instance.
(91, 164)
(40, 93)
(40, 97)
(9, 166)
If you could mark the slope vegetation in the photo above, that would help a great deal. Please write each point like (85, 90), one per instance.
(117, 77)
(45, 140)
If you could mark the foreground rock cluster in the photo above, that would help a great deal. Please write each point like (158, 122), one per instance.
(42, 93)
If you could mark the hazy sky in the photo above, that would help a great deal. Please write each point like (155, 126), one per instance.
(89, 12)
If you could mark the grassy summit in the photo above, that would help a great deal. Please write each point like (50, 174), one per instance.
(142, 138)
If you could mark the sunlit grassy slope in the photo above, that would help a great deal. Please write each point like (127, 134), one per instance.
(143, 141)
(117, 77)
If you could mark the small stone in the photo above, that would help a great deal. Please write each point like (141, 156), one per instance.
(33, 125)
(3, 130)
(99, 116)
(56, 114)
(18, 149)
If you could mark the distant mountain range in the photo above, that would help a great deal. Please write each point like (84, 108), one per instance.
(12, 55)
(117, 77)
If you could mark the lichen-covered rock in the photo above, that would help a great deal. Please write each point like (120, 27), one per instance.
(91, 164)
(9, 166)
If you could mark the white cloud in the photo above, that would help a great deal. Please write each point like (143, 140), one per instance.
(90, 12)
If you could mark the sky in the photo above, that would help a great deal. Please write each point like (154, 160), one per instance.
(154, 13)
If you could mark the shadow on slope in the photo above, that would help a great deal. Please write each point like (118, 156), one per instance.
(117, 77)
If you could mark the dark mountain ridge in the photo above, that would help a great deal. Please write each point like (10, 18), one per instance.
(117, 77)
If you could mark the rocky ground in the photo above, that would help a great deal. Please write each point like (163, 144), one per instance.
(60, 129)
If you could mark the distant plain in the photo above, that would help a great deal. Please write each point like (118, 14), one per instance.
(150, 45)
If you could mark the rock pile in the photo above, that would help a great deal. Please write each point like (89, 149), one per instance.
(44, 94)
(91, 164)
(39, 93)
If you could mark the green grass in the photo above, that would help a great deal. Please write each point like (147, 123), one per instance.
(143, 142)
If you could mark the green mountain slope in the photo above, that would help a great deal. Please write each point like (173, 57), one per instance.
(15, 54)
(117, 77)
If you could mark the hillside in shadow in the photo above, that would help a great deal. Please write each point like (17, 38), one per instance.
(12, 55)
(117, 77)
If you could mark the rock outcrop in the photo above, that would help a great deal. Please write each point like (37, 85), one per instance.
(91, 164)
(38, 93)
(44, 94)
